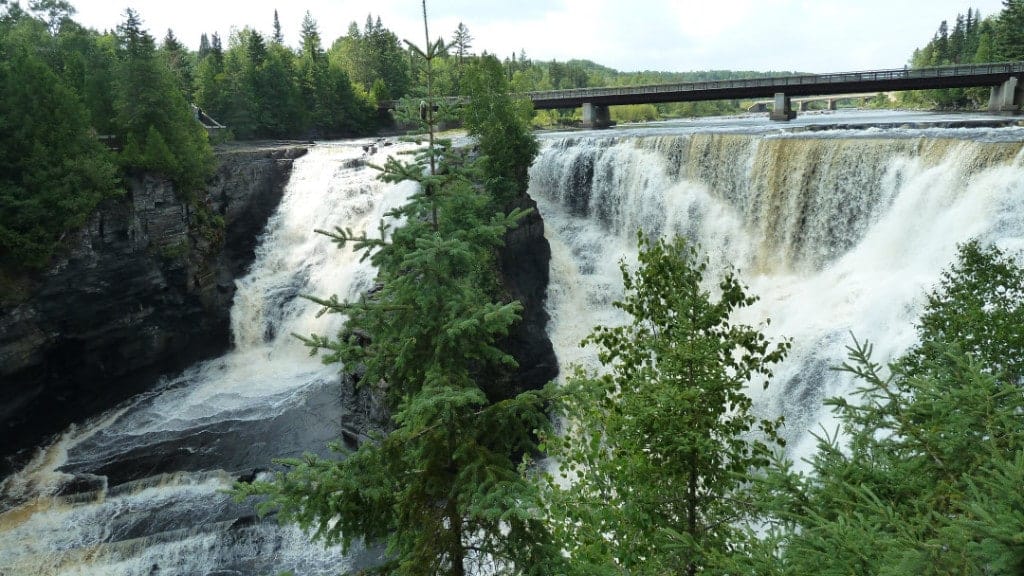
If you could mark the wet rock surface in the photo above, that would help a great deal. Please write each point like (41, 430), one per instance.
(143, 289)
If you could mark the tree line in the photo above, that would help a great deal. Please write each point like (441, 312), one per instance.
(83, 108)
(972, 39)
(82, 111)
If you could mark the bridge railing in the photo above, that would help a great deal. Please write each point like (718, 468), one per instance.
(782, 81)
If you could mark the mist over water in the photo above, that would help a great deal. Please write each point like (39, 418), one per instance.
(837, 232)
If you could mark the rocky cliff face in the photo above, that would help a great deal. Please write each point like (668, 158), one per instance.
(525, 263)
(143, 289)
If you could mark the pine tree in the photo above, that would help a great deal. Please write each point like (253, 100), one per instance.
(658, 451)
(462, 42)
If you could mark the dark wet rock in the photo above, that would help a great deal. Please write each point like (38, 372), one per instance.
(525, 262)
(143, 289)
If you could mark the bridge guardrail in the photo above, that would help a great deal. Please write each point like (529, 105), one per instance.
(781, 81)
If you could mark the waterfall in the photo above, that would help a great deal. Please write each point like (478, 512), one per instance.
(837, 234)
(140, 490)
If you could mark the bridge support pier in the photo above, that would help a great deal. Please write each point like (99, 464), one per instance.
(783, 109)
(596, 116)
(1006, 98)
(832, 103)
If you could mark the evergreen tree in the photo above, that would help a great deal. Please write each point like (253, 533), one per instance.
(204, 47)
(312, 70)
(958, 40)
(658, 451)
(1009, 44)
(941, 53)
(216, 48)
(462, 43)
(925, 477)
(56, 12)
(443, 487)
(373, 54)
(282, 110)
(503, 128)
(180, 62)
(147, 101)
(53, 170)
(278, 37)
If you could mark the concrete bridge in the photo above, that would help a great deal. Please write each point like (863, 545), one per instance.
(1003, 78)
(803, 104)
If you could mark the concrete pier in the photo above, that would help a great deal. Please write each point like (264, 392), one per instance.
(596, 116)
(783, 109)
(1006, 98)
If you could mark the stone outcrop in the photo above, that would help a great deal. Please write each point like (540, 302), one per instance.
(525, 267)
(143, 289)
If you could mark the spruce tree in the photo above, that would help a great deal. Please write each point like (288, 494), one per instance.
(924, 475)
(147, 100)
(1009, 41)
(443, 487)
(278, 37)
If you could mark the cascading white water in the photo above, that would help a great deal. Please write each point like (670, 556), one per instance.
(838, 234)
(140, 490)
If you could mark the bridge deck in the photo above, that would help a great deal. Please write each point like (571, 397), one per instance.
(960, 76)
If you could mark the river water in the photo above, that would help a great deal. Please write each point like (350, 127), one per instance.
(839, 232)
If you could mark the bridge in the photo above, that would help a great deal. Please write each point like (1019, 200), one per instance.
(1002, 77)
(804, 103)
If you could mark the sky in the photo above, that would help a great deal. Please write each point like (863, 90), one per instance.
(669, 35)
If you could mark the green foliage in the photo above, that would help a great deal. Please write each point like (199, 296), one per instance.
(445, 488)
(925, 478)
(972, 39)
(151, 114)
(658, 451)
(53, 171)
(1009, 29)
(501, 126)
(373, 54)
(266, 90)
(634, 113)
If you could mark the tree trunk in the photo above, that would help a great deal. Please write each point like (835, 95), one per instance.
(455, 549)
(691, 511)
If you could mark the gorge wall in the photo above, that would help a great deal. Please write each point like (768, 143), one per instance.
(143, 289)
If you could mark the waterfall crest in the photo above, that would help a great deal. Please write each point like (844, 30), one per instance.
(837, 235)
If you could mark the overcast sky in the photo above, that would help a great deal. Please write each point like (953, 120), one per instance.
(672, 35)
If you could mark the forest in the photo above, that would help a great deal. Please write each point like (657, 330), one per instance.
(83, 108)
